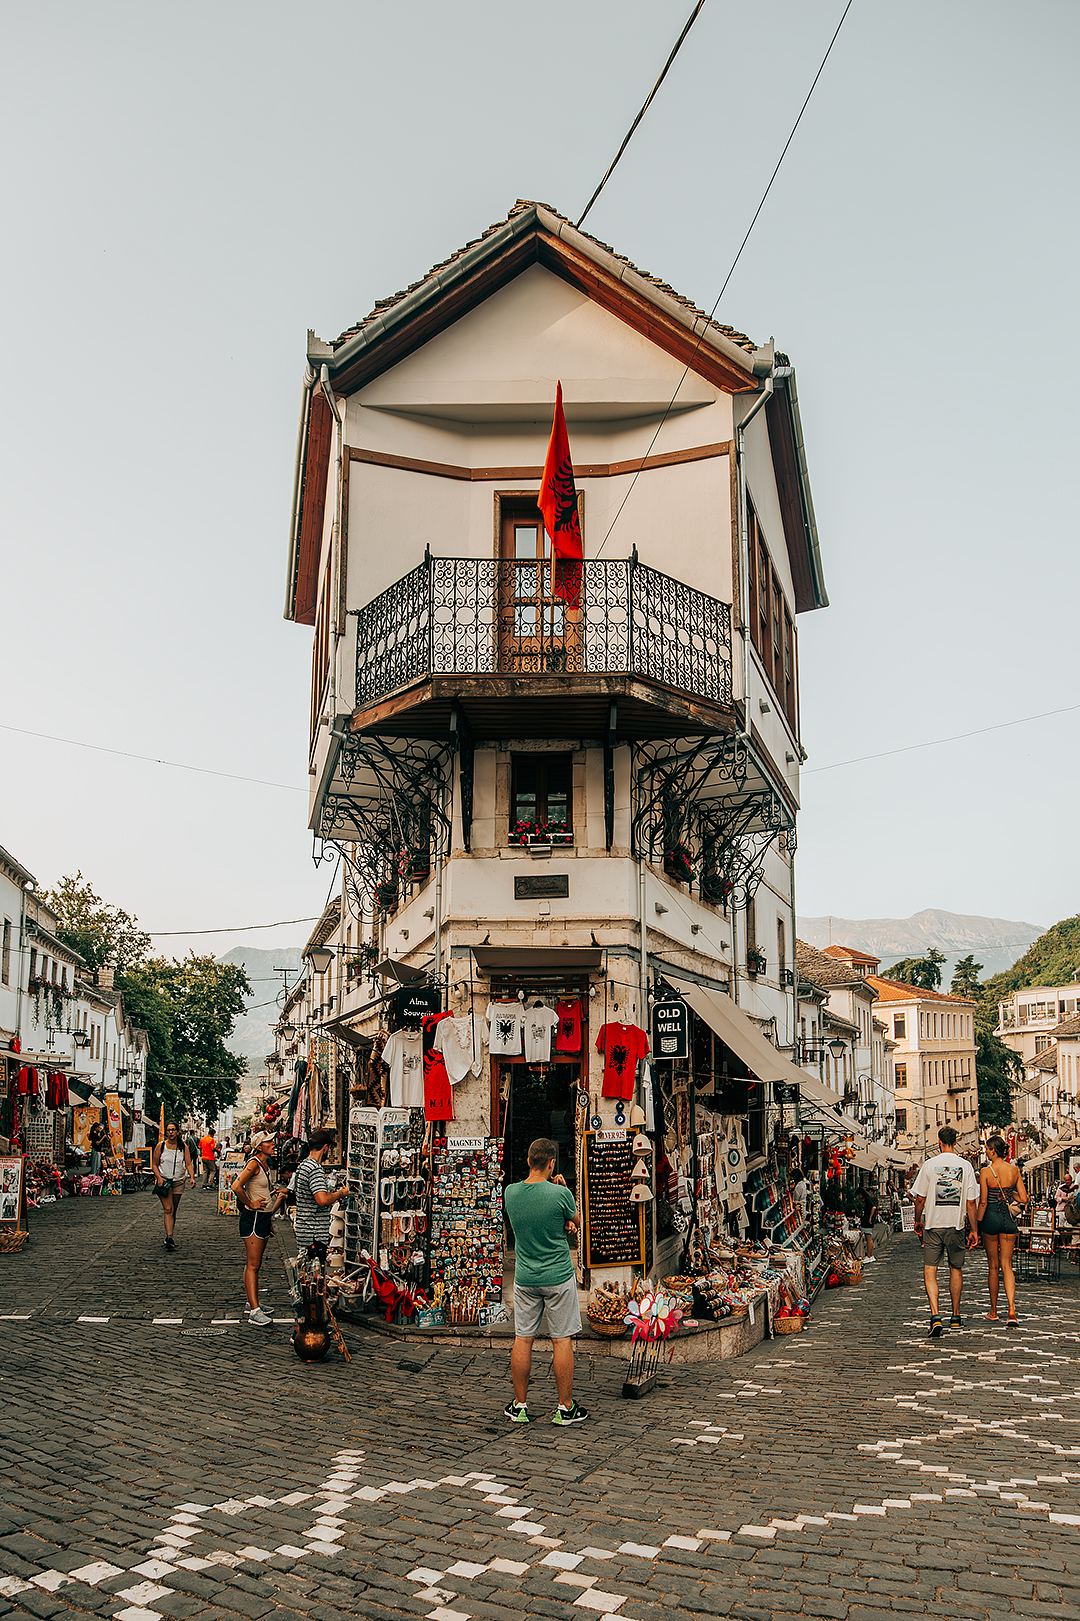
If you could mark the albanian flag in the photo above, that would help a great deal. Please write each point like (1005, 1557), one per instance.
(558, 503)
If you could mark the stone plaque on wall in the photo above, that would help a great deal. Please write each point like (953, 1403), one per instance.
(547, 886)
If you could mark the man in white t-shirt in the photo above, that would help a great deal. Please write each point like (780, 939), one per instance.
(944, 1191)
(800, 1193)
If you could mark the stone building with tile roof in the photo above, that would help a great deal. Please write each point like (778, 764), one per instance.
(933, 1063)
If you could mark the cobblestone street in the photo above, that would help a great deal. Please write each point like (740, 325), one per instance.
(161, 1458)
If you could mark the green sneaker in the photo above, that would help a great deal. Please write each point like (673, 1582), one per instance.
(517, 1412)
(569, 1415)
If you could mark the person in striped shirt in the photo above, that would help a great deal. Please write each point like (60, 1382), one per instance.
(314, 1197)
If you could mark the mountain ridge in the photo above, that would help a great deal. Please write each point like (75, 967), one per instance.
(994, 941)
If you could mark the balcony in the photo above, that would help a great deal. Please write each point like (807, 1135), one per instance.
(489, 633)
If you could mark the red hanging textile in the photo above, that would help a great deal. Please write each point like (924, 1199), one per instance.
(558, 503)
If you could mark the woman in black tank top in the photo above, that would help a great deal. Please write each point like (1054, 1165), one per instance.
(1000, 1184)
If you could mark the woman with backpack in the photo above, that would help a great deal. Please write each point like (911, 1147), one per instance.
(1002, 1195)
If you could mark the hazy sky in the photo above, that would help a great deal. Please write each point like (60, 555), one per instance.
(187, 189)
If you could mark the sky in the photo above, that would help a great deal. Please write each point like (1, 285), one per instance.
(187, 189)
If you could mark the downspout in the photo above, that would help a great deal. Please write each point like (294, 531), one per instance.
(643, 966)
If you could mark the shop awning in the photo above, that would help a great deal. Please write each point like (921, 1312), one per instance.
(892, 1157)
(81, 1088)
(538, 957)
(864, 1159)
(741, 1034)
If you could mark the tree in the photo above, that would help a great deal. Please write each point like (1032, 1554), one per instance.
(204, 998)
(965, 980)
(998, 1073)
(924, 972)
(106, 936)
(149, 1010)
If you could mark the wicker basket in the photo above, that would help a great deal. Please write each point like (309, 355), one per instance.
(12, 1243)
(607, 1331)
(740, 1311)
(789, 1325)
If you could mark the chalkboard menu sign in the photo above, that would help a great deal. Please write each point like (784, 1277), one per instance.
(614, 1228)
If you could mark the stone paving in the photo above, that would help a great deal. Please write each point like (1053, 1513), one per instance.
(163, 1459)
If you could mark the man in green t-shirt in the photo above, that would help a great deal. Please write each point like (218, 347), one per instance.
(541, 1211)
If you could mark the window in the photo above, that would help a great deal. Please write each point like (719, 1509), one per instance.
(901, 1119)
(901, 1074)
(540, 791)
(33, 962)
(781, 947)
(772, 629)
(63, 977)
(900, 1026)
(535, 634)
(5, 953)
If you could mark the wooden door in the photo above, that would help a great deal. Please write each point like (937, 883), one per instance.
(533, 629)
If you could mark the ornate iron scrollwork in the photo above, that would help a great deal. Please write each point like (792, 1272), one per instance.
(697, 794)
(393, 806)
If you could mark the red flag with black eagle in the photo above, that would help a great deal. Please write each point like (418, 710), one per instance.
(558, 503)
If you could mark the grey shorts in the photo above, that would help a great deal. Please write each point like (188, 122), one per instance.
(939, 1241)
(560, 1303)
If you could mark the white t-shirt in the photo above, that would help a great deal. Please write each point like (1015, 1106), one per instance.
(539, 1023)
(946, 1182)
(461, 1042)
(404, 1055)
(802, 1189)
(505, 1021)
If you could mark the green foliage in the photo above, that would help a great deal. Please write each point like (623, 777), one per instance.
(149, 1010)
(203, 999)
(998, 1073)
(106, 936)
(965, 980)
(923, 972)
(1052, 960)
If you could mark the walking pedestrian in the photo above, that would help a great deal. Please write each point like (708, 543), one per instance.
(801, 1193)
(542, 1210)
(943, 1190)
(314, 1195)
(257, 1206)
(869, 1216)
(1000, 1185)
(208, 1155)
(99, 1145)
(172, 1167)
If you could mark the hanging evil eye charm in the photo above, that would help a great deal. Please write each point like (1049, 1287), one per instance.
(596, 1123)
(620, 1117)
(583, 1100)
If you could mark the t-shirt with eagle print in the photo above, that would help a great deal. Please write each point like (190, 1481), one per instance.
(622, 1045)
(506, 1021)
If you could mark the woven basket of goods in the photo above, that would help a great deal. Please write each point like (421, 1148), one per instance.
(607, 1311)
(681, 1289)
(789, 1325)
(12, 1243)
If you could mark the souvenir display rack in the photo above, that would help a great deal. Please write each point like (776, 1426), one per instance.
(363, 1179)
(466, 1241)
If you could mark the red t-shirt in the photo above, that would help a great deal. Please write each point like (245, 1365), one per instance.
(438, 1094)
(622, 1046)
(568, 1036)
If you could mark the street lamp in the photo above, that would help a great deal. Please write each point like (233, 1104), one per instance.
(837, 1046)
(320, 958)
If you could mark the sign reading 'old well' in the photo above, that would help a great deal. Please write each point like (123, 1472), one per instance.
(670, 1030)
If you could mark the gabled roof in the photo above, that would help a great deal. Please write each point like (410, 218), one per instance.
(894, 990)
(1047, 1060)
(534, 233)
(1068, 1027)
(849, 954)
(821, 969)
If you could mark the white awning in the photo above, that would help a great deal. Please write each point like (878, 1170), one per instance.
(864, 1159)
(742, 1035)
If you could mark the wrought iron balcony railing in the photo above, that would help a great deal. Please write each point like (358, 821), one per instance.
(496, 616)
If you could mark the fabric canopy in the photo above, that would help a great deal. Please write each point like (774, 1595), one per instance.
(864, 1159)
(742, 1035)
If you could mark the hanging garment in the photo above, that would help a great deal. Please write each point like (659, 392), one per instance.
(462, 1042)
(403, 1056)
(505, 1022)
(568, 1039)
(622, 1046)
(539, 1022)
(438, 1098)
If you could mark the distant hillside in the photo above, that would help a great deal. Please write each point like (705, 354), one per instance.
(252, 1039)
(994, 941)
(1052, 960)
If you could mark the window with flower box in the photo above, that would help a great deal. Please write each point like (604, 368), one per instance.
(541, 799)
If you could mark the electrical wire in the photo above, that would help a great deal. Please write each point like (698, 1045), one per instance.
(935, 742)
(691, 20)
(243, 928)
(727, 278)
(150, 759)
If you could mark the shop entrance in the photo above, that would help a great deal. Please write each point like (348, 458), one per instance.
(538, 1101)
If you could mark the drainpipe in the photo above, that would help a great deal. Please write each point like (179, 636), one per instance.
(643, 966)
(335, 540)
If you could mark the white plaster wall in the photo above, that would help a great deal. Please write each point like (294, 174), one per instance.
(11, 908)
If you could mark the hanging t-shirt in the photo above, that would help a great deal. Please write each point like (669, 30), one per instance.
(539, 1023)
(505, 1021)
(403, 1055)
(461, 1042)
(568, 1039)
(438, 1098)
(622, 1046)
(412, 1002)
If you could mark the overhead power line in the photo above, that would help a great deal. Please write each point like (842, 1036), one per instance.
(731, 272)
(646, 104)
(241, 928)
(150, 759)
(934, 742)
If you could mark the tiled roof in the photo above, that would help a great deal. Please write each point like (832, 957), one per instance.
(849, 954)
(1046, 1060)
(894, 990)
(821, 969)
(1067, 1027)
(383, 304)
